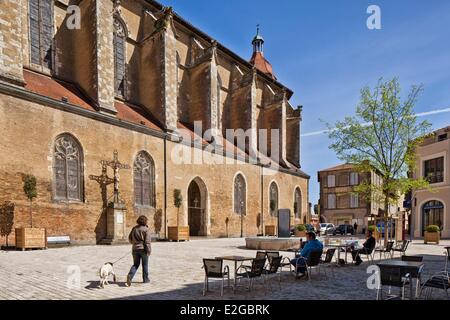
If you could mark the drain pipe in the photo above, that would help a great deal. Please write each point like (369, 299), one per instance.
(262, 199)
(165, 187)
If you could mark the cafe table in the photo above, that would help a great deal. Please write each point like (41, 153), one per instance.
(412, 268)
(341, 245)
(236, 260)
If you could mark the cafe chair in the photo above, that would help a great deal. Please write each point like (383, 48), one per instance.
(273, 269)
(255, 271)
(214, 270)
(386, 250)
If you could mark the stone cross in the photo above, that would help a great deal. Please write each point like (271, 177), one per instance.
(116, 165)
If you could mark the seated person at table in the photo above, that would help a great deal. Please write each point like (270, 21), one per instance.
(312, 244)
(368, 247)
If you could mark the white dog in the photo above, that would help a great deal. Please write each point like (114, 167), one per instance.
(105, 271)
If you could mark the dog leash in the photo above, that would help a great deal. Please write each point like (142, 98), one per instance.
(123, 257)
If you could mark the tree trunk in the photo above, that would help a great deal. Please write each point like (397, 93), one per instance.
(178, 217)
(386, 217)
(31, 213)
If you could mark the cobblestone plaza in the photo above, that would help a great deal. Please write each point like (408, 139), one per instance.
(176, 273)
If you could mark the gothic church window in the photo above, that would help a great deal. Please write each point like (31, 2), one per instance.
(68, 168)
(41, 32)
(240, 195)
(120, 35)
(144, 180)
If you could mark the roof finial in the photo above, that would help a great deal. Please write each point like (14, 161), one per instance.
(258, 41)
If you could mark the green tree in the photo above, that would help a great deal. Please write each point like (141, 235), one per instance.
(382, 136)
(29, 187)
(177, 201)
(6, 219)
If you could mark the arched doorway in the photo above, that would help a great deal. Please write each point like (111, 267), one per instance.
(432, 214)
(197, 218)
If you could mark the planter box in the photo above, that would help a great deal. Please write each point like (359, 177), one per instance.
(31, 238)
(299, 234)
(270, 230)
(178, 233)
(432, 237)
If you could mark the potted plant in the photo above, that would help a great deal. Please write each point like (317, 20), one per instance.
(432, 234)
(179, 232)
(28, 238)
(300, 231)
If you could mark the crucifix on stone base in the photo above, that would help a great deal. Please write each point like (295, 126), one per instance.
(116, 165)
(116, 212)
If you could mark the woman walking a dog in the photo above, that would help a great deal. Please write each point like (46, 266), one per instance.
(140, 239)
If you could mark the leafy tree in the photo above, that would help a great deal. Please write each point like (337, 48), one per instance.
(177, 201)
(6, 220)
(29, 187)
(382, 136)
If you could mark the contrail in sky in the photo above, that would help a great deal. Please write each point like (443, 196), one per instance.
(421, 114)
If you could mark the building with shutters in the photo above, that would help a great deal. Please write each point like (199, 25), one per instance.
(340, 203)
(431, 207)
(81, 79)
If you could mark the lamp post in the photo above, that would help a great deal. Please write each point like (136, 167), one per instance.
(242, 219)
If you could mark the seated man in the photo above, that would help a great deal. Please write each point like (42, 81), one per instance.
(312, 244)
(368, 247)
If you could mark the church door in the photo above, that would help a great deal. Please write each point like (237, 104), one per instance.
(195, 210)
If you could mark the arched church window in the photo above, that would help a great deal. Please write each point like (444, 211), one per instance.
(68, 168)
(240, 195)
(119, 57)
(144, 180)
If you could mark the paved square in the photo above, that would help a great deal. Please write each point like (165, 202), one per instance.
(176, 273)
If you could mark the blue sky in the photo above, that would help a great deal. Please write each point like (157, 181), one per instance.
(324, 52)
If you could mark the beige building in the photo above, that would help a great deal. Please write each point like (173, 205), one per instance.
(339, 203)
(433, 163)
(77, 83)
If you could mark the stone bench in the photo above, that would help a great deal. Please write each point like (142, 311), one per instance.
(58, 240)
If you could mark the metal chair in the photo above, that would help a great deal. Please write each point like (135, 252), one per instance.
(214, 269)
(386, 250)
(328, 260)
(392, 276)
(313, 261)
(368, 252)
(415, 274)
(447, 258)
(440, 280)
(273, 269)
(250, 273)
(401, 248)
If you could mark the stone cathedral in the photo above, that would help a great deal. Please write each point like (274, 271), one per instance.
(83, 80)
